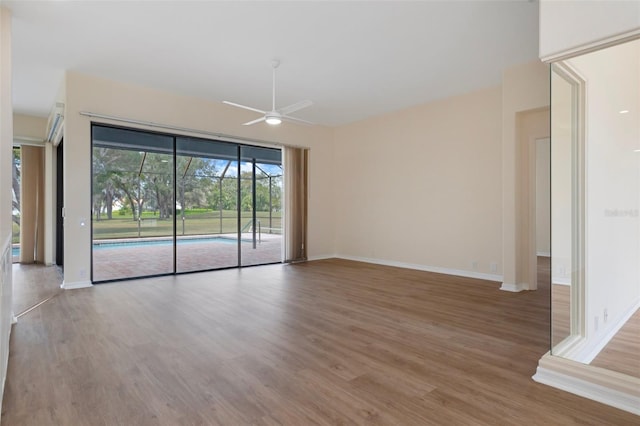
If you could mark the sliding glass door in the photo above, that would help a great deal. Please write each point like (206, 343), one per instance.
(206, 205)
(260, 195)
(166, 204)
(133, 199)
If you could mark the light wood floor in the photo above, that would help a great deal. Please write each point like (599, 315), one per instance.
(33, 284)
(622, 353)
(326, 342)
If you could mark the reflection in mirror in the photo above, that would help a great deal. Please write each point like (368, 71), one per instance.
(564, 125)
(595, 175)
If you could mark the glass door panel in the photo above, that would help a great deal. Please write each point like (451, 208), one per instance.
(206, 203)
(261, 210)
(132, 204)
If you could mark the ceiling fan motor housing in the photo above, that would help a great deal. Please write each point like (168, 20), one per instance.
(273, 117)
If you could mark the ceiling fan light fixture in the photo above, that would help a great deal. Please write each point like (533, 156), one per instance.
(274, 121)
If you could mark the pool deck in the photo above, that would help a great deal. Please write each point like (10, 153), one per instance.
(139, 260)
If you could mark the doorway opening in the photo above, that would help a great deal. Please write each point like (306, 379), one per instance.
(16, 167)
(532, 131)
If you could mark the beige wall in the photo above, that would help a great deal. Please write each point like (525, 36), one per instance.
(86, 93)
(524, 88)
(6, 144)
(426, 187)
(421, 187)
(27, 126)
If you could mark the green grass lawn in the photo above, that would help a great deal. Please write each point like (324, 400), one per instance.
(15, 238)
(195, 223)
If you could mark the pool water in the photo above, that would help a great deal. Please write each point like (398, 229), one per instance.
(15, 251)
(168, 242)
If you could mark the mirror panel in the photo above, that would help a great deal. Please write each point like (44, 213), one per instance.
(595, 120)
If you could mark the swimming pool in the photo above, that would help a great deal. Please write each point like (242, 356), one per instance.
(106, 245)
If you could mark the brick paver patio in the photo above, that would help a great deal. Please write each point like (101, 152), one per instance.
(151, 259)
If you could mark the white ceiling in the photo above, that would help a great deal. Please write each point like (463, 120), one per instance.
(353, 59)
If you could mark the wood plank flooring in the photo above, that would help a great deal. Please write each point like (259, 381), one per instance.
(33, 284)
(622, 353)
(325, 342)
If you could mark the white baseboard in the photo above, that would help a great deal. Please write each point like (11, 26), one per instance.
(321, 257)
(593, 347)
(608, 387)
(427, 268)
(74, 285)
(514, 288)
(569, 346)
(561, 280)
(543, 254)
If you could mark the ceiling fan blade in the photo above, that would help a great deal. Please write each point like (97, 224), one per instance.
(244, 107)
(257, 120)
(297, 120)
(295, 107)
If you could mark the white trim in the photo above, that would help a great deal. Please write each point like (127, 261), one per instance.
(569, 346)
(594, 347)
(591, 47)
(561, 281)
(27, 140)
(543, 253)
(426, 268)
(608, 387)
(514, 288)
(321, 257)
(75, 285)
(578, 197)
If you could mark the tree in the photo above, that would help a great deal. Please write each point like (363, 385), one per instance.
(145, 180)
(115, 178)
(196, 179)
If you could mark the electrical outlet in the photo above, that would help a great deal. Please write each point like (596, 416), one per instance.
(83, 273)
(605, 316)
(474, 265)
(493, 267)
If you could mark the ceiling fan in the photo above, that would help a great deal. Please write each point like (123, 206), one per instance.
(275, 116)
